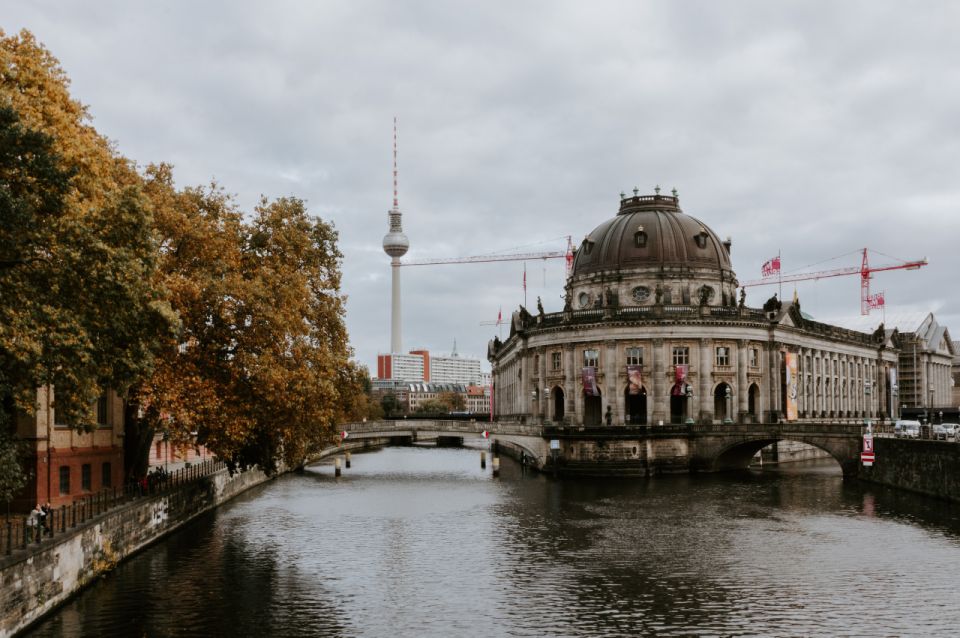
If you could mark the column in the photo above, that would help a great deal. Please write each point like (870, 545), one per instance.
(743, 386)
(773, 372)
(660, 405)
(542, 381)
(611, 396)
(706, 382)
(570, 380)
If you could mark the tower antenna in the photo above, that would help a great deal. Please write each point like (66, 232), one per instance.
(395, 201)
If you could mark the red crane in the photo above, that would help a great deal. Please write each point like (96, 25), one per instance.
(865, 270)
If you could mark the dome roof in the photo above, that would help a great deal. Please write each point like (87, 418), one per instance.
(651, 231)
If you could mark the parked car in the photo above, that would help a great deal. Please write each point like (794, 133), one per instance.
(907, 429)
(939, 432)
(952, 429)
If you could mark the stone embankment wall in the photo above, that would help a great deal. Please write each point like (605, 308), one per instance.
(927, 467)
(34, 582)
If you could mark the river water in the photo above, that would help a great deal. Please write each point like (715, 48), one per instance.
(422, 542)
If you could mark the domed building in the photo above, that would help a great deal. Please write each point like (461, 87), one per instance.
(653, 332)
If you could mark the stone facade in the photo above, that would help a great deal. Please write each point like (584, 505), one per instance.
(697, 355)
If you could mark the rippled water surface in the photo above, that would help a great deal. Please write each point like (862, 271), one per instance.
(422, 542)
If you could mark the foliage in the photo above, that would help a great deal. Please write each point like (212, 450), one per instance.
(260, 371)
(12, 476)
(454, 401)
(390, 404)
(76, 245)
(220, 328)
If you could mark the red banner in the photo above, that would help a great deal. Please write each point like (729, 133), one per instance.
(771, 267)
(680, 374)
(634, 379)
(590, 381)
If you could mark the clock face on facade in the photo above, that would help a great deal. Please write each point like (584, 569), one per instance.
(640, 294)
(584, 299)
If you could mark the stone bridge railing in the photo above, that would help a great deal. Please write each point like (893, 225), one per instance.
(513, 428)
(400, 426)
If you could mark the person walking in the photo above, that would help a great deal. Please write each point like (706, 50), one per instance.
(33, 521)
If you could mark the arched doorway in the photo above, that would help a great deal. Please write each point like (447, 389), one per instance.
(635, 406)
(557, 393)
(592, 409)
(753, 401)
(722, 398)
(678, 403)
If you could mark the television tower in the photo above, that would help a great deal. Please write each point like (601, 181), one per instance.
(395, 244)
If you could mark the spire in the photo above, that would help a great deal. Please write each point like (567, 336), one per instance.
(395, 201)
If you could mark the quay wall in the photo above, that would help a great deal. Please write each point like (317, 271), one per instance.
(926, 467)
(36, 581)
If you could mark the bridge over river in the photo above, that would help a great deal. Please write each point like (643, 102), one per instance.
(627, 450)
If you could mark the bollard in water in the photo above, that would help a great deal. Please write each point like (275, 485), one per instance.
(483, 460)
(346, 457)
(336, 466)
(496, 466)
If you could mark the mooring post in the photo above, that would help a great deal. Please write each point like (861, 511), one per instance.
(483, 459)
(336, 466)
(496, 466)
(346, 456)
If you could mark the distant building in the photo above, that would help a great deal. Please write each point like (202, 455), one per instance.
(478, 399)
(955, 374)
(926, 358)
(419, 393)
(419, 365)
(63, 463)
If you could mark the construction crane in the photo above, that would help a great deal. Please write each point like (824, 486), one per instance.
(865, 270)
(479, 259)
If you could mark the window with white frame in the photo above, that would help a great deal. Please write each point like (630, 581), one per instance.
(681, 355)
(754, 357)
(723, 356)
(591, 358)
(556, 360)
(635, 356)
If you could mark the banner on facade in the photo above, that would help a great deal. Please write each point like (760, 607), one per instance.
(893, 398)
(634, 379)
(792, 381)
(680, 375)
(590, 381)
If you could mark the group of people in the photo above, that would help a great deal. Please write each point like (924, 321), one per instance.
(39, 521)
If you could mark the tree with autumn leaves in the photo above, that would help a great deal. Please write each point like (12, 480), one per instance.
(220, 328)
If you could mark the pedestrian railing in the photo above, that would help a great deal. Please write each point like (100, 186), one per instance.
(18, 534)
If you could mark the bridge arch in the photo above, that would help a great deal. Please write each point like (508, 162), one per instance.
(737, 455)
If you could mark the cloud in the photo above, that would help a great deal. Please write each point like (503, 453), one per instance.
(811, 129)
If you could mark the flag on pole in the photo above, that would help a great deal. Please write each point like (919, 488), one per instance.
(344, 434)
(875, 301)
(771, 267)
(485, 434)
(524, 278)
(500, 316)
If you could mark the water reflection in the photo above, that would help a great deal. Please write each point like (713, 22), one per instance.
(415, 542)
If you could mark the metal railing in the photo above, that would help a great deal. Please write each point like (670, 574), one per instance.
(18, 534)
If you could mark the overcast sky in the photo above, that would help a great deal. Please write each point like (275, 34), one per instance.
(807, 128)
